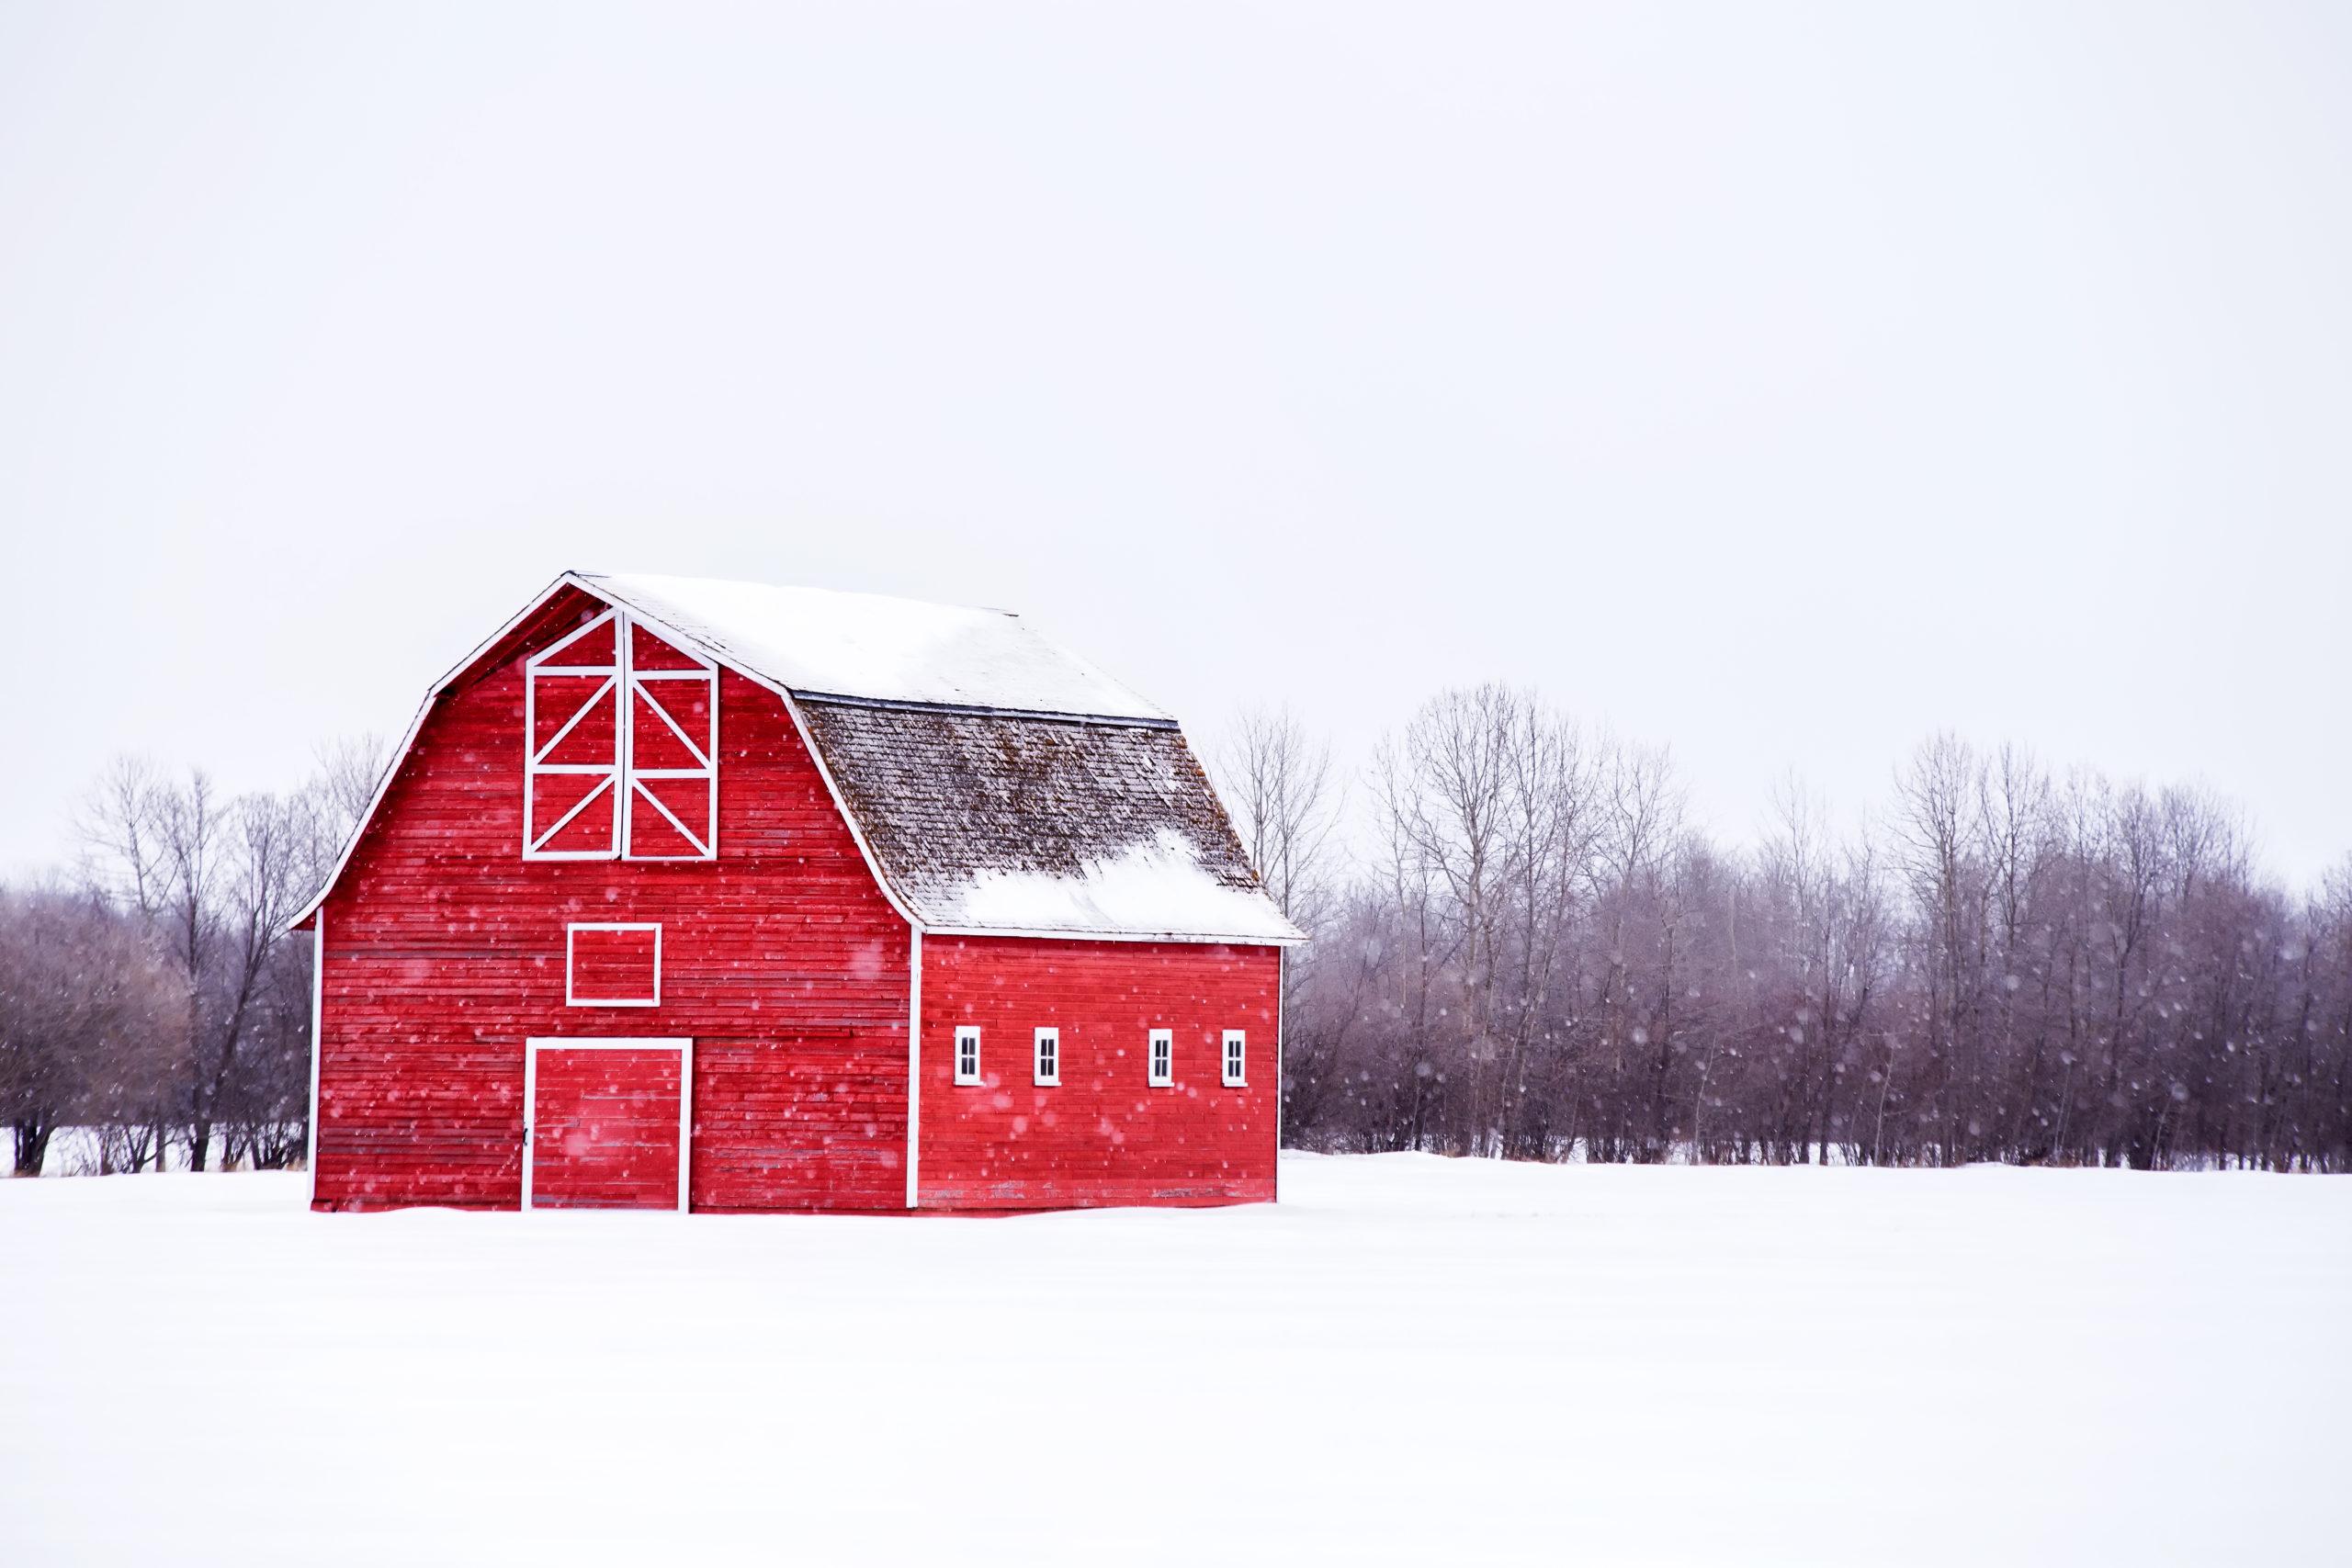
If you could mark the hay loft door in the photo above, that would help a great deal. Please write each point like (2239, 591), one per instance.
(620, 747)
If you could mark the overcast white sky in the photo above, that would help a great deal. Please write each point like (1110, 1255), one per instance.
(1780, 382)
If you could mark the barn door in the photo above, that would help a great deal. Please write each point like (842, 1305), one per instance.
(609, 1123)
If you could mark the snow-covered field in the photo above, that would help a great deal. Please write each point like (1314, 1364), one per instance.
(1409, 1360)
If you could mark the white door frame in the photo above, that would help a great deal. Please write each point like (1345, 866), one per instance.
(686, 1049)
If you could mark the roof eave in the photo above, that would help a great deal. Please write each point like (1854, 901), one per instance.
(1073, 933)
(1048, 715)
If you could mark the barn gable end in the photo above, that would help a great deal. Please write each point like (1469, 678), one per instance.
(445, 953)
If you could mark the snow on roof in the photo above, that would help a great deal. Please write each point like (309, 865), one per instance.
(1000, 823)
(1159, 888)
(816, 641)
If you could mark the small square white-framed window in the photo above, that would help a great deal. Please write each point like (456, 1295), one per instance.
(1160, 1056)
(611, 963)
(1236, 1059)
(1049, 1056)
(967, 1054)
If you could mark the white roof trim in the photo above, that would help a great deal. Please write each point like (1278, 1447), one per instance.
(897, 705)
(1067, 933)
(400, 752)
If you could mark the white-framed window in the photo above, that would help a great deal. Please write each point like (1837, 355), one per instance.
(1049, 1055)
(611, 965)
(967, 1054)
(1161, 1056)
(1236, 1059)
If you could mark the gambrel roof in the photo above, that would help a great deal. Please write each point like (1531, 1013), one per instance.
(998, 784)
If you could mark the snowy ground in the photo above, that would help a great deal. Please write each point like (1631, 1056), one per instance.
(1409, 1360)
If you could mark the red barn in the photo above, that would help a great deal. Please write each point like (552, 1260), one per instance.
(726, 896)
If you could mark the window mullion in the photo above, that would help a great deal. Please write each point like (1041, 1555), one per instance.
(625, 732)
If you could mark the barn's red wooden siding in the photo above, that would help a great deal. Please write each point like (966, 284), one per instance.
(444, 952)
(1102, 1136)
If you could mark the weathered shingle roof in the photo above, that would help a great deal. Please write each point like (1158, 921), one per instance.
(1003, 823)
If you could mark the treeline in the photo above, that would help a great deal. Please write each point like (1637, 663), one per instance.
(151, 998)
(1531, 954)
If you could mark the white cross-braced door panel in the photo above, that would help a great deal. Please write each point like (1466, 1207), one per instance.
(573, 743)
(621, 748)
(672, 753)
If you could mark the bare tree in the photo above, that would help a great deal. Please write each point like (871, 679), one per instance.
(86, 1010)
(1642, 834)
(215, 880)
(349, 772)
(1278, 784)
